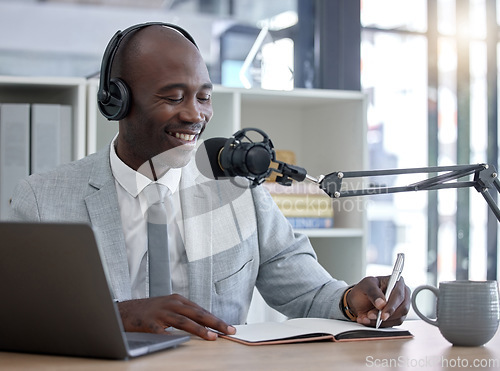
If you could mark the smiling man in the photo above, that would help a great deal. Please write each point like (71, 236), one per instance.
(171, 90)
(226, 239)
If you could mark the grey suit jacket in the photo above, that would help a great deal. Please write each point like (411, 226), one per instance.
(235, 238)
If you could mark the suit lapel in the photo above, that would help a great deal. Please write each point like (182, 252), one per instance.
(102, 206)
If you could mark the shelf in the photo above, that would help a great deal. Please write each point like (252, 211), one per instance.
(296, 96)
(332, 232)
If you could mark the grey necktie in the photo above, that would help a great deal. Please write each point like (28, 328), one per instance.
(159, 199)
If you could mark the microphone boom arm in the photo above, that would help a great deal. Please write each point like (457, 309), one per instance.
(250, 159)
(485, 178)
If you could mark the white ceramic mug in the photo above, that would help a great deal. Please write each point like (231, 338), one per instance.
(467, 311)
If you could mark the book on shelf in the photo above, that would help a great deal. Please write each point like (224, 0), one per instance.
(305, 206)
(51, 136)
(14, 150)
(310, 223)
(300, 330)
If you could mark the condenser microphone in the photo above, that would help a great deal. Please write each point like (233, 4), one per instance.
(219, 158)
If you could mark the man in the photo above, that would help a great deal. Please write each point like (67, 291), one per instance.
(231, 238)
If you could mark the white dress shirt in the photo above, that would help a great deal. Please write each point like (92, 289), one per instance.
(133, 206)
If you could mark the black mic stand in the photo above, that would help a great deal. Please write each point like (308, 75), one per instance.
(485, 178)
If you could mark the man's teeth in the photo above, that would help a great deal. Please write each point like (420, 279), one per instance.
(186, 137)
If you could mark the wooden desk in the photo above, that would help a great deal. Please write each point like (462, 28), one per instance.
(427, 351)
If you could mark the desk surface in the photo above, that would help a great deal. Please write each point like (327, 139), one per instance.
(427, 351)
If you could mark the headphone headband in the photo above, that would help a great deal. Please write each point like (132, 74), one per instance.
(111, 106)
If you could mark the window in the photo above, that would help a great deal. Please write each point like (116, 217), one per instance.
(398, 73)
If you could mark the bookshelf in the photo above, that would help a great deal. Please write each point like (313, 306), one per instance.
(42, 124)
(71, 91)
(326, 130)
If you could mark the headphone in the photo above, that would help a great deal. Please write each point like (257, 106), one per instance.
(113, 96)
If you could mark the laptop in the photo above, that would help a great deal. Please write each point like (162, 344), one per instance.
(55, 297)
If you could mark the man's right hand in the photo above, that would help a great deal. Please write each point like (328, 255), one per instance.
(156, 314)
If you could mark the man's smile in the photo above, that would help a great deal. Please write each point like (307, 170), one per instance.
(185, 137)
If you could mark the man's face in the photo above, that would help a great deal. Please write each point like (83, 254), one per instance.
(171, 103)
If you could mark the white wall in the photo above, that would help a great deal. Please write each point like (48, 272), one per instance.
(42, 31)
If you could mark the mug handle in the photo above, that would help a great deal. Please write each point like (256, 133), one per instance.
(435, 291)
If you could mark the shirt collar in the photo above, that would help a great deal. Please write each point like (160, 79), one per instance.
(134, 182)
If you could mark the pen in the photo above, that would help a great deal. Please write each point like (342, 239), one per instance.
(396, 273)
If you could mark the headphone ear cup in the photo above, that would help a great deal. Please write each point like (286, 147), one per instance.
(118, 103)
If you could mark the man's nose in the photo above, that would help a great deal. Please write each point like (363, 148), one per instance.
(194, 111)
